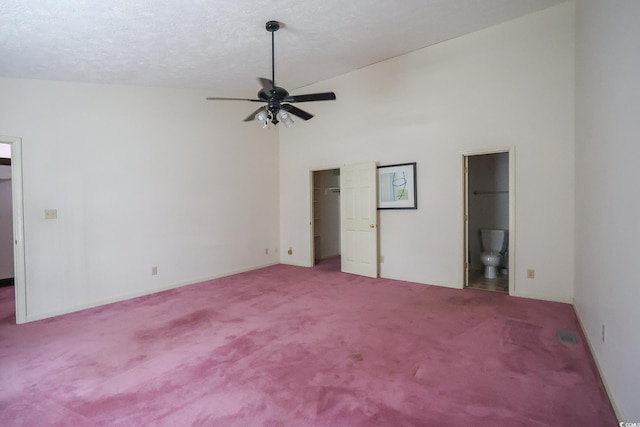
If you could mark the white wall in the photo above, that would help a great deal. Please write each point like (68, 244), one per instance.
(507, 86)
(607, 204)
(6, 223)
(140, 177)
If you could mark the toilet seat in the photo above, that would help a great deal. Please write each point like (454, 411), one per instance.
(492, 253)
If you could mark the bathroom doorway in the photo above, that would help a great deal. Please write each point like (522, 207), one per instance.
(325, 224)
(488, 206)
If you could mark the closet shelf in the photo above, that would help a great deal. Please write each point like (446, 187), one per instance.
(475, 193)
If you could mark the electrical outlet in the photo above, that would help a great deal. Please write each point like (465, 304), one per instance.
(154, 271)
(290, 251)
(266, 251)
(531, 273)
(381, 259)
(603, 330)
(50, 214)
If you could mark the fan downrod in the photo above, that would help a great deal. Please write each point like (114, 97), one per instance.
(272, 26)
(277, 99)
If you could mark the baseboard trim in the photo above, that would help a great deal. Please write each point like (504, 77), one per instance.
(544, 298)
(616, 409)
(420, 282)
(295, 264)
(47, 315)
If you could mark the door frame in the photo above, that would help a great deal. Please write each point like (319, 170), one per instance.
(512, 214)
(19, 271)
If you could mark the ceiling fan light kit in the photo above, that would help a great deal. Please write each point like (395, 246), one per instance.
(263, 117)
(278, 106)
(285, 118)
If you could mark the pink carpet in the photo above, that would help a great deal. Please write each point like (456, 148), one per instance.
(289, 346)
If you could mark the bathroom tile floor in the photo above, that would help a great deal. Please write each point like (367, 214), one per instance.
(478, 281)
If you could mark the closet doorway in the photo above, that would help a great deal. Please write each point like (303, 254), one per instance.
(325, 224)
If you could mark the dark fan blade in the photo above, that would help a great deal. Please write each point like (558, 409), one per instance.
(296, 111)
(252, 116)
(216, 98)
(324, 96)
(267, 84)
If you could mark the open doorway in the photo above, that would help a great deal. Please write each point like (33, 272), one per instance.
(488, 204)
(12, 267)
(6, 220)
(325, 222)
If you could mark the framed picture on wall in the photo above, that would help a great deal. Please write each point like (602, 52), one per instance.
(397, 186)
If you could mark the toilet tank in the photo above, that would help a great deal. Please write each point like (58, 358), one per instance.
(493, 240)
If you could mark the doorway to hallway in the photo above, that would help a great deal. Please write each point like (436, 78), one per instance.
(14, 236)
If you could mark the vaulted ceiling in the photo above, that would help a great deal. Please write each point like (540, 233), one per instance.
(222, 45)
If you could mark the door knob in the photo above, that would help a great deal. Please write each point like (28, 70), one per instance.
(372, 226)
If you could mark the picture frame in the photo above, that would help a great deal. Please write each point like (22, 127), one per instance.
(397, 186)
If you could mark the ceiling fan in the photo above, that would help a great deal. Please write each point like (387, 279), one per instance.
(278, 99)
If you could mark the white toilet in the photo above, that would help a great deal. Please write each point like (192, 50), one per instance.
(494, 243)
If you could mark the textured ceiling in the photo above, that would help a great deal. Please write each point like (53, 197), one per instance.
(222, 45)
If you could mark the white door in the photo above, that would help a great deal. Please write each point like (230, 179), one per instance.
(358, 219)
